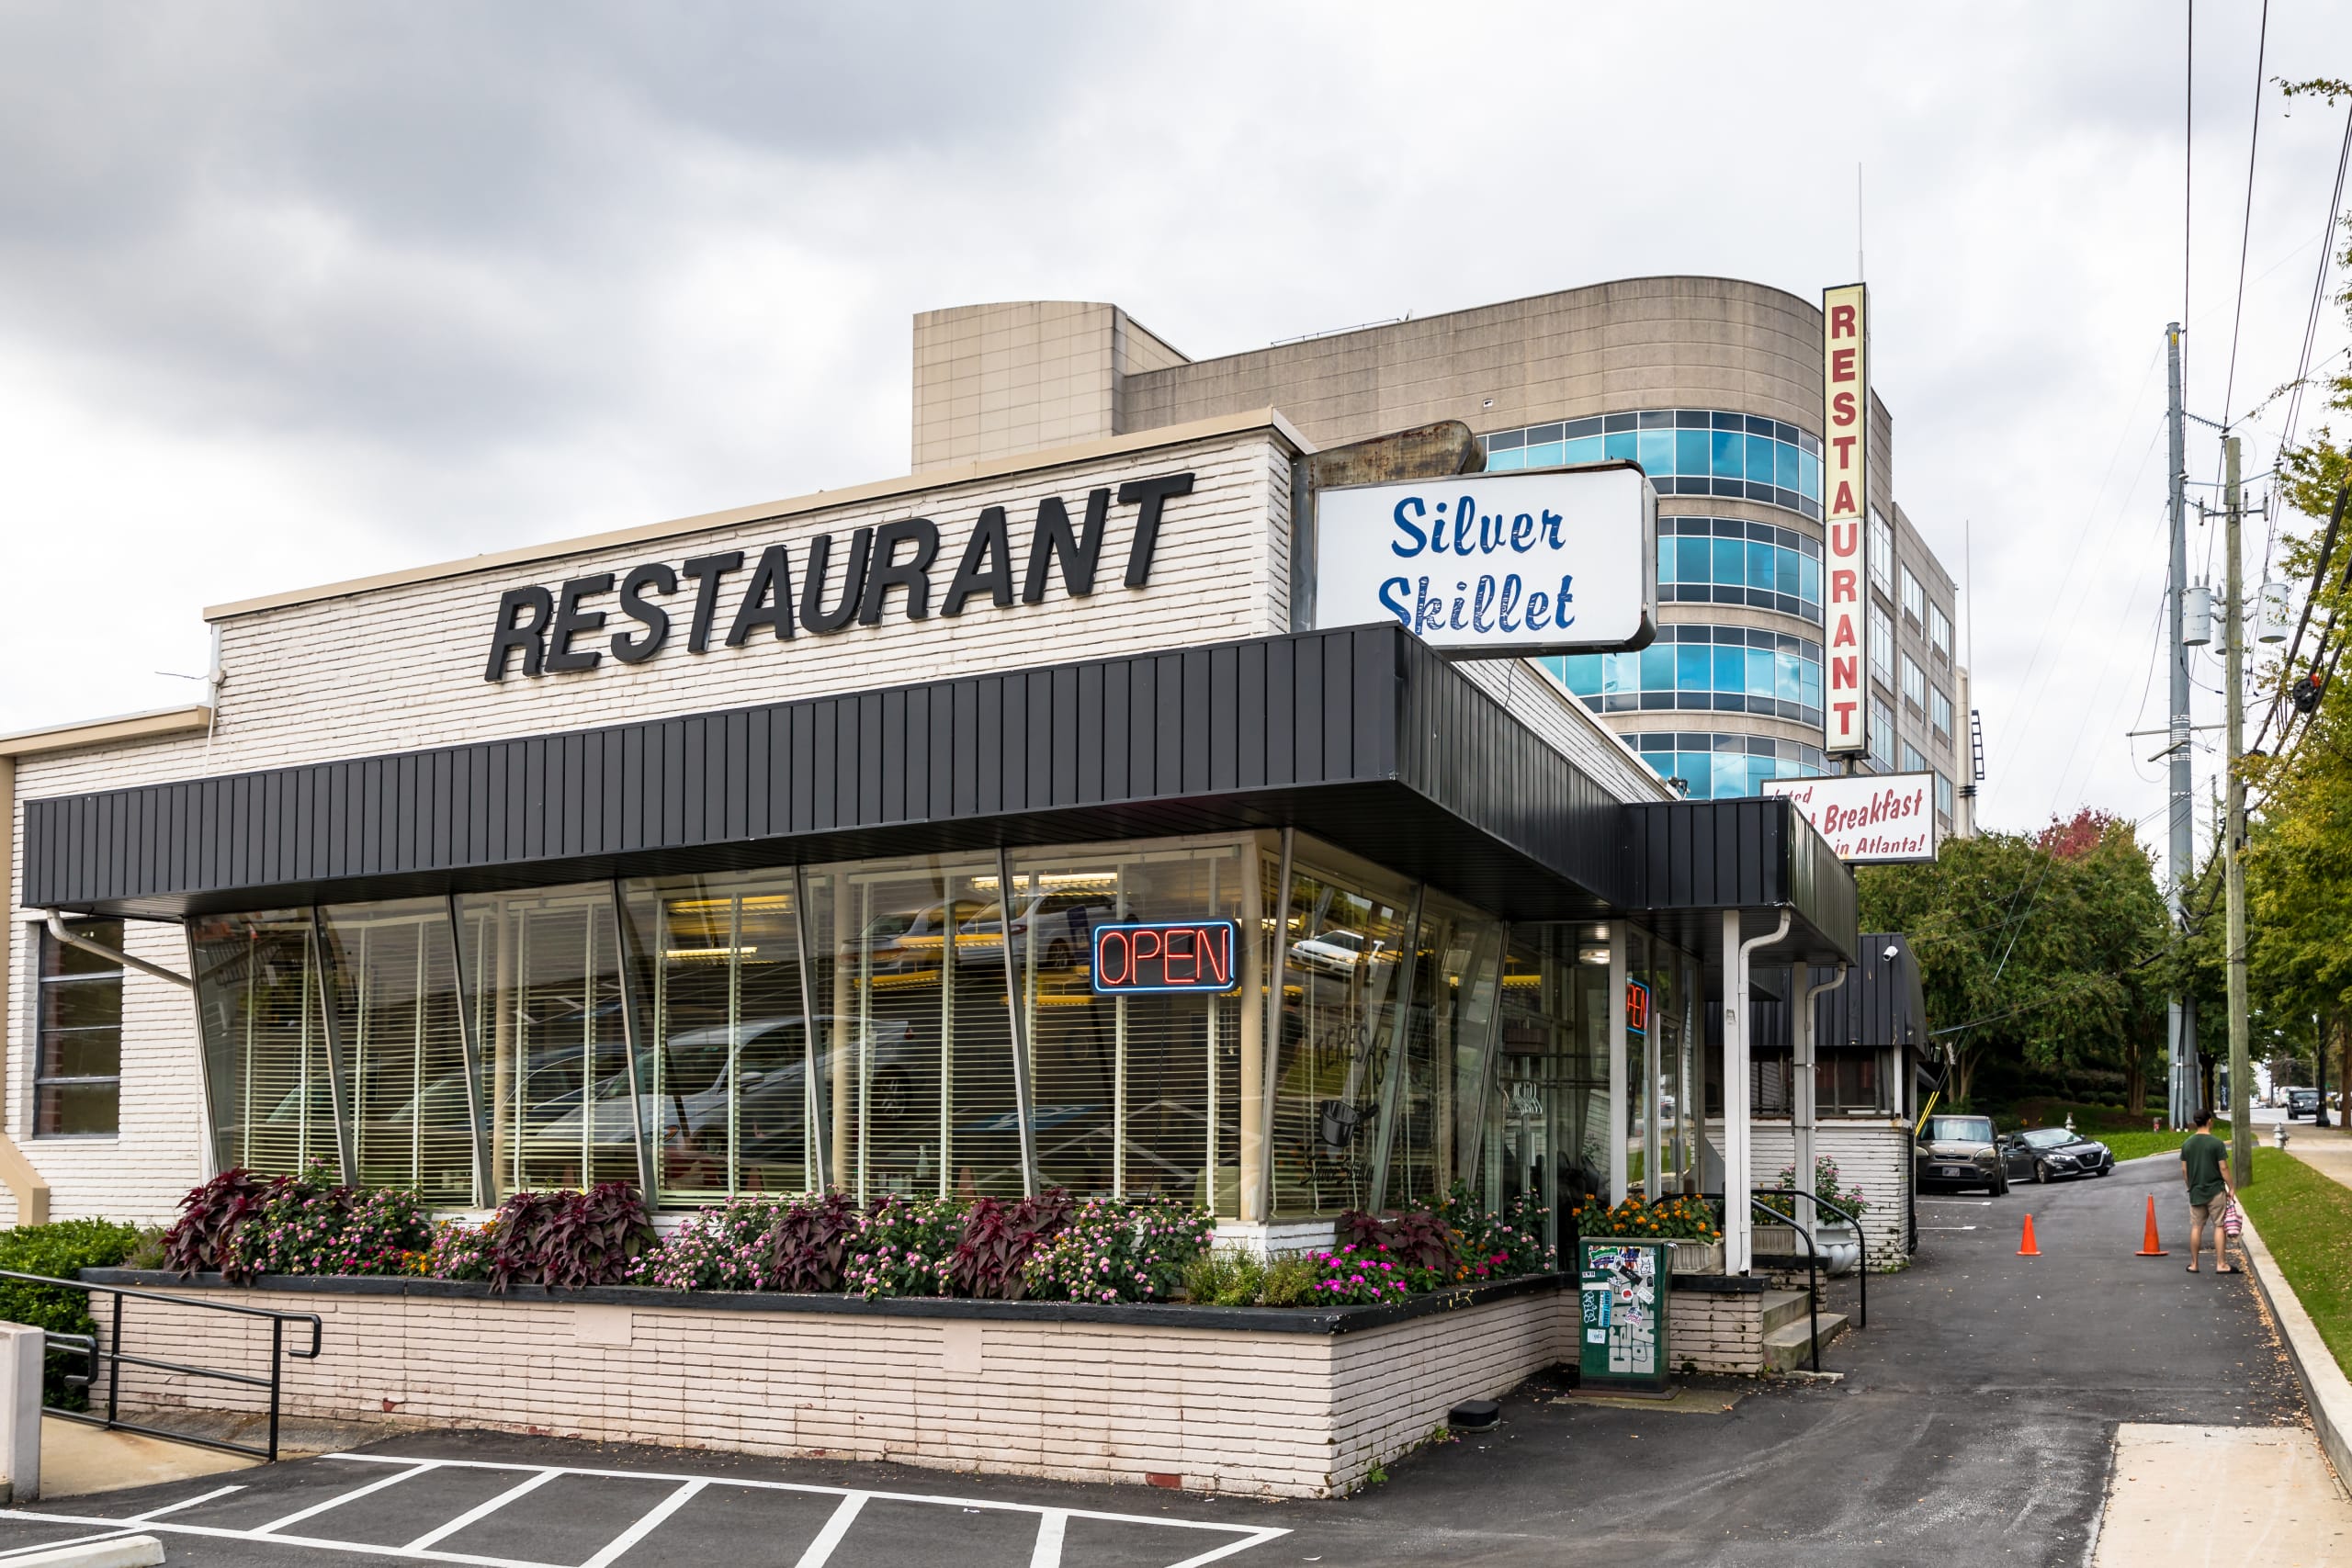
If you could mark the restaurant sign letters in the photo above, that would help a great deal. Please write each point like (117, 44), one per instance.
(1869, 818)
(544, 631)
(1491, 565)
(1846, 499)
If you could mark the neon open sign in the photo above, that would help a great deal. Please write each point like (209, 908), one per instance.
(1178, 956)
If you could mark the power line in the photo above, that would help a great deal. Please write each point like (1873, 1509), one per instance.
(2311, 326)
(2245, 231)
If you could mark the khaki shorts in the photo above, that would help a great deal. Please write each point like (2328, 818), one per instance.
(2210, 1214)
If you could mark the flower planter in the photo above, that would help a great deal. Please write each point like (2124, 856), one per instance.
(1697, 1257)
(1836, 1243)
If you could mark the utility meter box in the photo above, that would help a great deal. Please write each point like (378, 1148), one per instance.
(1624, 1285)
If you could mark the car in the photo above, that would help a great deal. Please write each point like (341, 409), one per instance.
(1335, 952)
(1958, 1152)
(1060, 923)
(2048, 1154)
(2302, 1103)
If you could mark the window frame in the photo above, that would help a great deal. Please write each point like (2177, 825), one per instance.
(1882, 552)
(1939, 631)
(1881, 646)
(1912, 676)
(42, 1080)
(1913, 596)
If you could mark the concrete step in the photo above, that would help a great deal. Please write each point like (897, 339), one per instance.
(1783, 1308)
(1786, 1347)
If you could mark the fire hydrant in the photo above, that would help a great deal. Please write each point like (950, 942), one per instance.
(2282, 1134)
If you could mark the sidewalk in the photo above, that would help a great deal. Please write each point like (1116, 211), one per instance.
(2327, 1150)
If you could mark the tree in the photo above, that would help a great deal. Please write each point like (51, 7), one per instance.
(2042, 950)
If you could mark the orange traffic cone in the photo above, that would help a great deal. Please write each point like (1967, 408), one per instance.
(2149, 1247)
(2026, 1247)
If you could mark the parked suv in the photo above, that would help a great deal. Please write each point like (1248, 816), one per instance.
(2302, 1102)
(1957, 1151)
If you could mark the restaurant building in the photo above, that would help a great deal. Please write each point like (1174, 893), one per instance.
(997, 828)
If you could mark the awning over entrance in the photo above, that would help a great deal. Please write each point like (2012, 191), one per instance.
(1361, 734)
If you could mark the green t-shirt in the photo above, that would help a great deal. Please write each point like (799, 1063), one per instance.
(2203, 1154)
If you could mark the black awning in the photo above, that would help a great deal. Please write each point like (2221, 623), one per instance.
(1363, 736)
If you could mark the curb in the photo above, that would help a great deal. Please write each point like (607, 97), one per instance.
(2326, 1388)
(121, 1551)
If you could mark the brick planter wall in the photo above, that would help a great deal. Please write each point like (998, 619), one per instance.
(1716, 1322)
(1254, 1401)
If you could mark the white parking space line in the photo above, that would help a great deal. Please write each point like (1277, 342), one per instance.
(993, 1503)
(1048, 1553)
(1257, 1536)
(1053, 1523)
(1947, 1227)
(184, 1503)
(1961, 1202)
(646, 1526)
(820, 1550)
(480, 1512)
(315, 1509)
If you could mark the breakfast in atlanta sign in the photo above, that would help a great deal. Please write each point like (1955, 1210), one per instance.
(1869, 818)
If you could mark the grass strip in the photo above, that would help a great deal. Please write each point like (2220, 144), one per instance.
(2132, 1144)
(2305, 1217)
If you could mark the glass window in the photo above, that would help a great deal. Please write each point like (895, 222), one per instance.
(1759, 459)
(1882, 735)
(77, 1075)
(1762, 679)
(1730, 670)
(1914, 684)
(1882, 552)
(1580, 673)
(1915, 597)
(1730, 769)
(543, 971)
(1657, 451)
(1658, 667)
(1693, 667)
(1583, 449)
(1730, 454)
(1502, 462)
(1940, 710)
(1914, 761)
(1882, 645)
(1694, 560)
(264, 1041)
(1690, 454)
(1761, 571)
(1730, 562)
(1622, 444)
(1943, 796)
(1939, 630)
(395, 983)
(1342, 960)
(1135, 1095)
(1809, 476)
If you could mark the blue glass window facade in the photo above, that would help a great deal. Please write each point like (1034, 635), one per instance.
(1721, 767)
(1684, 451)
(1719, 669)
(1727, 561)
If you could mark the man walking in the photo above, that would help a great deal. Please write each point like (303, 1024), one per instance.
(2205, 1168)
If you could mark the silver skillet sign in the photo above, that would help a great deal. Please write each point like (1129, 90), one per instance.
(1490, 565)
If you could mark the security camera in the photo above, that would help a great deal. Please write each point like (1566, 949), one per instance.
(1892, 951)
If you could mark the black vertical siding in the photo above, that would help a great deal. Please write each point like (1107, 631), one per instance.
(1360, 734)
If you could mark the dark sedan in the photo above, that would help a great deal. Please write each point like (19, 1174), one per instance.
(2048, 1154)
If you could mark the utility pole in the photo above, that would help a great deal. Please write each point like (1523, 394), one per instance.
(2180, 1032)
(2233, 836)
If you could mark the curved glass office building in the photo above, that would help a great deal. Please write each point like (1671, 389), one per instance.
(1713, 384)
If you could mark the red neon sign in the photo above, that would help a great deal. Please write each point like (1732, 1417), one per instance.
(1178, 956)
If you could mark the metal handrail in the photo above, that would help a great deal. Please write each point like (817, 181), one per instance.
(116, 1360)
(1812, 1275)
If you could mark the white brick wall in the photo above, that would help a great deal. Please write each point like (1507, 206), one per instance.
(1873, 1155)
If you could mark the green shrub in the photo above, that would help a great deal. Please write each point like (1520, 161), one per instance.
(1289, 1281)
(1225, 1276)
(61, 1251)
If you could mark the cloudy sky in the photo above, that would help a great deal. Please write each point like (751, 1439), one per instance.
(290, 293)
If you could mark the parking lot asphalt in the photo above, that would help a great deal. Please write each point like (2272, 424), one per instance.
(1975, 1414)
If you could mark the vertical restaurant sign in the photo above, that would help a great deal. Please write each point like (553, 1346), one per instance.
(1845, 498)
(1486, 565)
